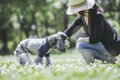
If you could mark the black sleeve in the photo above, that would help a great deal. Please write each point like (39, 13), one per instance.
(98, 29)
(74, 27)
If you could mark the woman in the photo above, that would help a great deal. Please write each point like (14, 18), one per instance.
(100, 40)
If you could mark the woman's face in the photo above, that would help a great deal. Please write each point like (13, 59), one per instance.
(83, 13)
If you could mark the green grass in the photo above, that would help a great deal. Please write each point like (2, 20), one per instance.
(68, 66)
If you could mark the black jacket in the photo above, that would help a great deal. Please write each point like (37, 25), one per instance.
(98, 29)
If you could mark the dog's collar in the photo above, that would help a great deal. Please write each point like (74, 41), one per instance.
(48, 42)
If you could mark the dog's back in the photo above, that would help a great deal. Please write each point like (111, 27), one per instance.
(33, 44)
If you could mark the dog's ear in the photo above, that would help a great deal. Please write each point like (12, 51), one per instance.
(62, 35)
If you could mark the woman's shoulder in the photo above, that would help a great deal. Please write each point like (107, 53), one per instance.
(100, 16)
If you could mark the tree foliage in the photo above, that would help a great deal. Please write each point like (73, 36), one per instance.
(112, 12)
(20, 19)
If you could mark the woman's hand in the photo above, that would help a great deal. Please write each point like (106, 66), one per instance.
(67, 43)
(83, 39)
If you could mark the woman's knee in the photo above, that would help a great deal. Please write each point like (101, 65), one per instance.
(81, 45)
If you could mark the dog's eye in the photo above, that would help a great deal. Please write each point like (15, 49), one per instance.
(63, 36)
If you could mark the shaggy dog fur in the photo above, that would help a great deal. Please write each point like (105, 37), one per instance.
(39, 46)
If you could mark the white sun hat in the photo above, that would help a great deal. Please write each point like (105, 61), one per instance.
(75, 6)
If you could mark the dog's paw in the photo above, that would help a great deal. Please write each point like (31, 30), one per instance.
(38, 60)
(48, 64)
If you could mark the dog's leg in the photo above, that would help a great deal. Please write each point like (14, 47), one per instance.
(22, 61)
(39, 60)
(48, 60)
(42, 51)
(22, 58)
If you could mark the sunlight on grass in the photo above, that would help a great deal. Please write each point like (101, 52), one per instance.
(69, 66)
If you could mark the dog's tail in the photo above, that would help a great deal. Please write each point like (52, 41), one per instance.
(22, 57)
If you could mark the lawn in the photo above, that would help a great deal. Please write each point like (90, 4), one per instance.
(65, 66)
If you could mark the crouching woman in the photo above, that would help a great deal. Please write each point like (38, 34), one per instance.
(100, 40)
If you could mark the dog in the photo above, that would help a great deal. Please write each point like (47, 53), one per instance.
(40, 46)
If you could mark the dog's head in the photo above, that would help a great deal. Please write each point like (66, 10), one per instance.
(60, 38)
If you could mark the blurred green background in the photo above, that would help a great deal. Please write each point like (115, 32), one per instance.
(20, 19)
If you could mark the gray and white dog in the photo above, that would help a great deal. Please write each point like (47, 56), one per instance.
(39, 46)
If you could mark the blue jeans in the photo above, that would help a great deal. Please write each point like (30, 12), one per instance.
(94, 51)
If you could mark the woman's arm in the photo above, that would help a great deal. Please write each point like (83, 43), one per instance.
(74, 27)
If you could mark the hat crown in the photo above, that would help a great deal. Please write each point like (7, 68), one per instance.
(75, 6)
(75, 2)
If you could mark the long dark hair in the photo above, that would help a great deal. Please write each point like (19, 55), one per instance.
(92, 13)
(98, 8)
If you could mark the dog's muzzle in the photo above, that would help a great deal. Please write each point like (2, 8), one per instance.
(61, 41)
(60, 45)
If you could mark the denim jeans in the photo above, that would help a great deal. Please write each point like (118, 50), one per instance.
(94, 51)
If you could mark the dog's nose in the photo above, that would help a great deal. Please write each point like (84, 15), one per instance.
(63, 50)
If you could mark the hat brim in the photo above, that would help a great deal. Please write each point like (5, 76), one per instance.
(75, 9)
